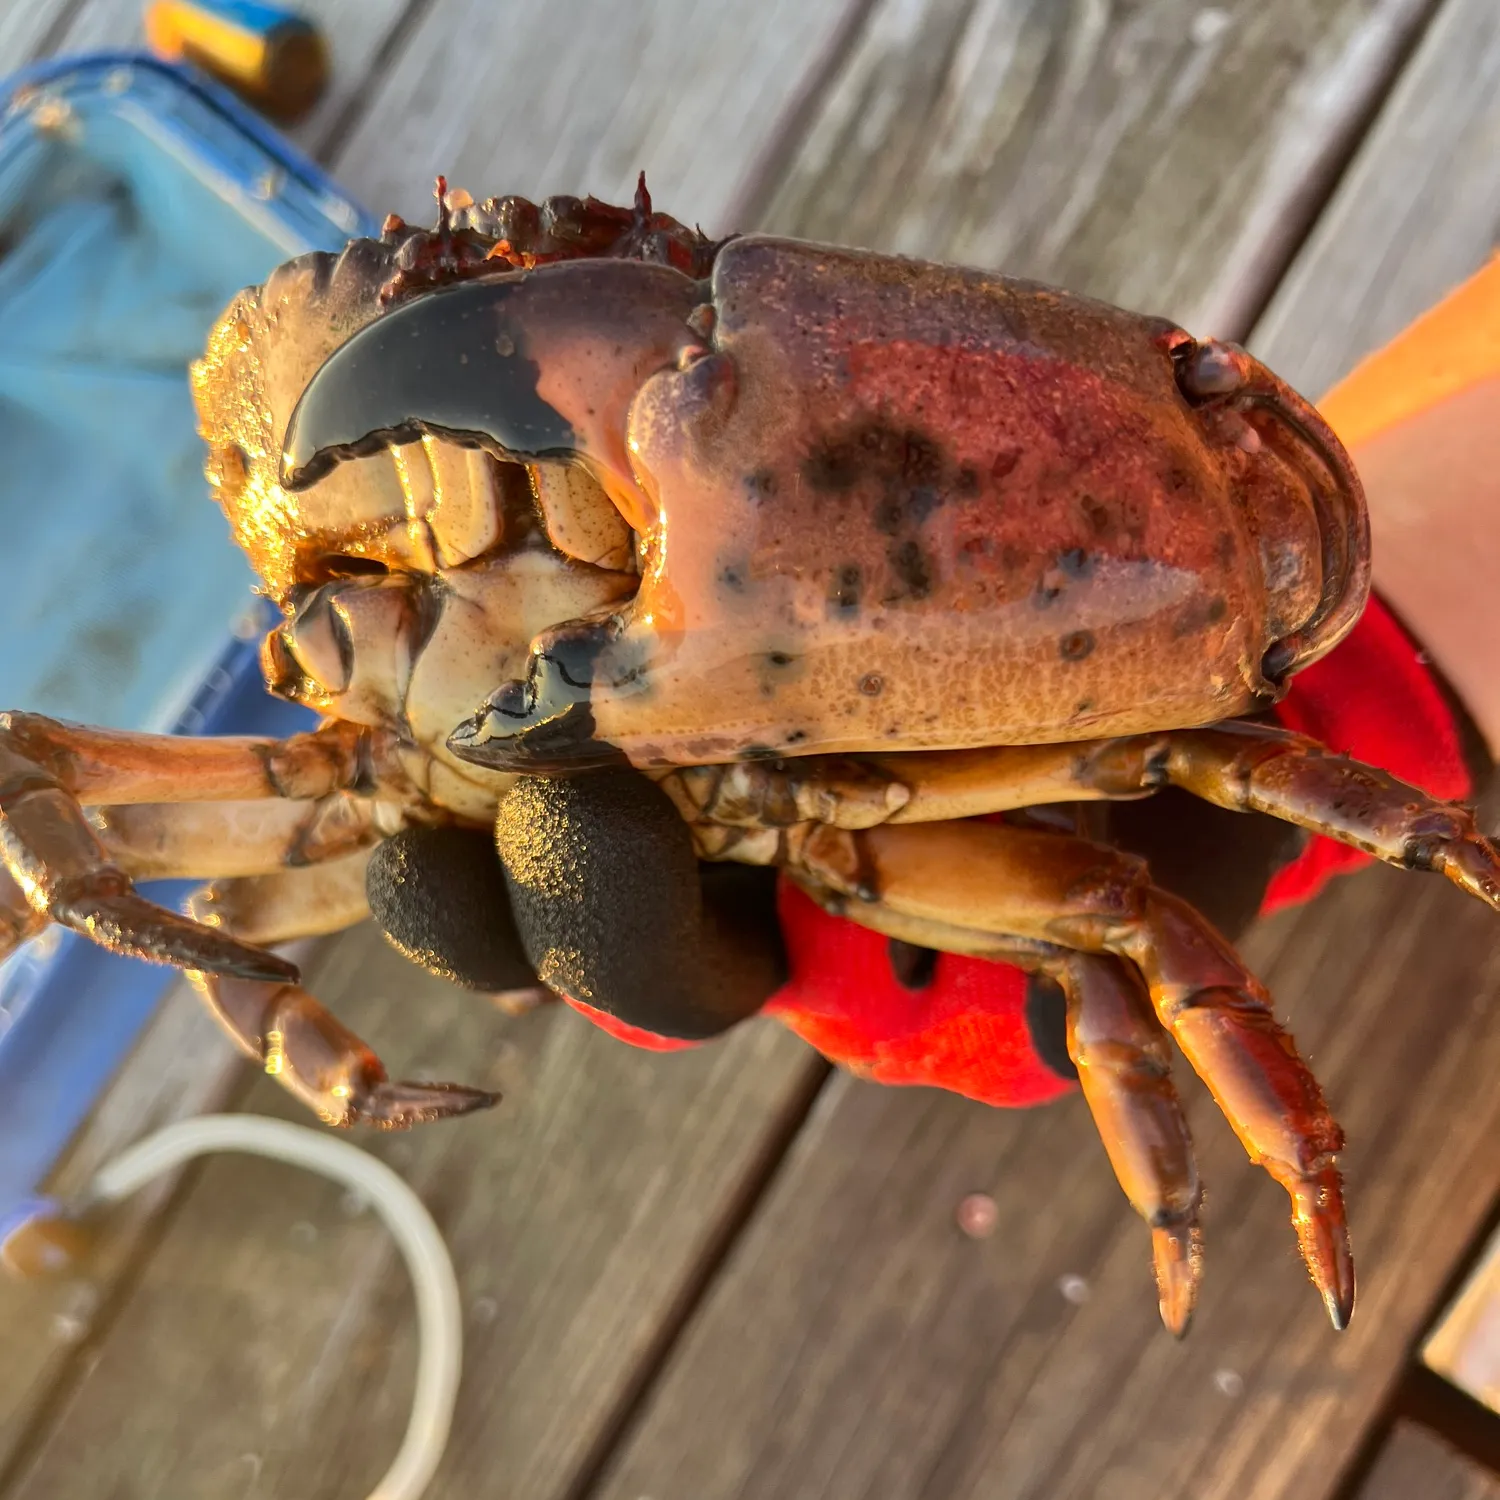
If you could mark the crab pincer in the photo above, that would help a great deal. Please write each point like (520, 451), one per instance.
(537, 364)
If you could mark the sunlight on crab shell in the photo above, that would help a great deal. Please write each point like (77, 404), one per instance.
(354, 559)
(416, 507)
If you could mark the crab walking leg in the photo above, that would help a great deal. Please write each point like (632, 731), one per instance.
(1239, 766)
(115, 766)
(1125, 1074)
(48, 770)
(1254, 769)
(1067, 891)
(307, 1049)
(204, 840)
(19, 920)
(1243, 767)
(52, 854)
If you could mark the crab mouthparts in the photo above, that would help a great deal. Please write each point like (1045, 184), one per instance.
(451, 364)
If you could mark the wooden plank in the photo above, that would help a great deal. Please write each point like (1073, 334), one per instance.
(1464, 1346)
(1417, 212)
(538, 97)
(855, 1344)
(579, 1219)
(25, 27)
(356, 31)
(1416, 1464)
(269, 1337)
(1166, 156)
(858, 1345)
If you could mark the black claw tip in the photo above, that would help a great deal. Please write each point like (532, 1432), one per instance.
(452, 363)
(1340, 1305)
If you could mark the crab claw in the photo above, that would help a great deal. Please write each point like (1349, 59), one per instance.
(539, 364)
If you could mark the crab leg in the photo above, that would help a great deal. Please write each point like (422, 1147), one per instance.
(1125, 1074)
(990, 878)
(1239, 766)
(66, 876)
(1243, 767)
(287, 1030)
(19, 920)
(122, 766)
(1248, 768)
(48, 769)
(203, 840)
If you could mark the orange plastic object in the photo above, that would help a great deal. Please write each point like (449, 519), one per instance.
(1421, 418)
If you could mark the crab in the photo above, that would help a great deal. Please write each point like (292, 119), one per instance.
(642, 554)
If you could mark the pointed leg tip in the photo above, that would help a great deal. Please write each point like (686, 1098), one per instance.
(267, 968)
(1338, 1293)
(126, 922)
(1177, 1258)
(1474, 865)
(399, 1106)
(1339, 1311)
(1323, 1236)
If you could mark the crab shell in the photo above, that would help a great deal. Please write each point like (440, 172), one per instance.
(878, 504)
(412, 581)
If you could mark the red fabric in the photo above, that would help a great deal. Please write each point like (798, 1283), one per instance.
(966, 1032)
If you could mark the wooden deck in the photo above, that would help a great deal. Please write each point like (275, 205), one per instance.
(732, 1275)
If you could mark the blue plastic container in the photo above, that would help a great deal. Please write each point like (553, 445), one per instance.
(135, 200)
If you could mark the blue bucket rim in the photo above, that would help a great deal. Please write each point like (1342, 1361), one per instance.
(70, 1013)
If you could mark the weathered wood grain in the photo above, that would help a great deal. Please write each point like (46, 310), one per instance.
(25, 26)
(1165, 156)
(1415, 1465)
(536, 97)
(356, 30)
(1417, 212)
(858, 1345)
(267, 1345)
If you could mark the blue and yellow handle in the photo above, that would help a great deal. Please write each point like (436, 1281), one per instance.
(273, 57)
